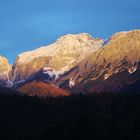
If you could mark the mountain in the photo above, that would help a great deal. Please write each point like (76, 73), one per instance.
(77, 63)
(41, 89)
(111, 68)
(55, 59)
(5, 72)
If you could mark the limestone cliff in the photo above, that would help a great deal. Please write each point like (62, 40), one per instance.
(5, 70)
(60, 56)
(113, 66)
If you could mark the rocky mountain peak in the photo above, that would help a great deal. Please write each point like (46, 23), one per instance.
(5, 70)
(62, 55)
(123, 44)
(4, 65)
(74, 38)
(125, 34)
(66, 42)
(110, 67)
(79, 63)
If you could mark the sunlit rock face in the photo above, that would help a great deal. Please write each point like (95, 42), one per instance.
(115, 65)
(60, 56)
(5, 72)
(79, 63)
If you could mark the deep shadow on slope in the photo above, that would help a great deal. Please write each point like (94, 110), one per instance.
(105, 116)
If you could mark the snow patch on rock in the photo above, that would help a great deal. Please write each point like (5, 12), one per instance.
(71, 83)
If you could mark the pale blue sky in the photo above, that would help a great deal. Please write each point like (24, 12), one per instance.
(28, 24)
